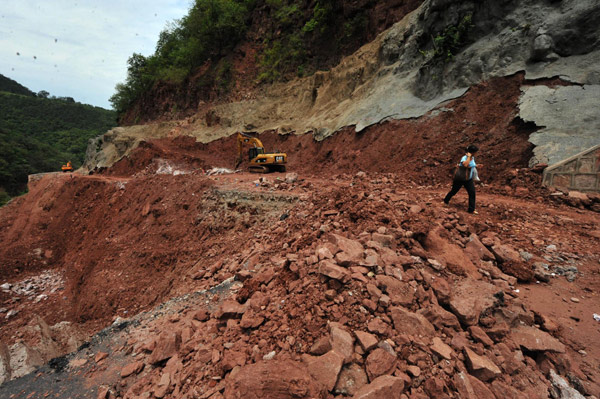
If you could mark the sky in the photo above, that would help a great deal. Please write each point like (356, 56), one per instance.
(79, 48)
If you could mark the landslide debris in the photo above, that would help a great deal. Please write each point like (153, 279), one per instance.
(351, 295)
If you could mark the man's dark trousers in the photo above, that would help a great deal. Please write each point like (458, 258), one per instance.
(469, 185)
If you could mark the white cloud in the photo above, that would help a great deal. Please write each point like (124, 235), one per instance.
(80, 47)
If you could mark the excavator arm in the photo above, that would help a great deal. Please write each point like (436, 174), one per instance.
(260, 161)
(243, 138)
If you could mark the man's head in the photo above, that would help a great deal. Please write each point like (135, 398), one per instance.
(472, 148)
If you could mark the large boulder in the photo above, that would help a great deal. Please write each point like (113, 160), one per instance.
(366, 340)
(23, 360)
(449, 255)
(349, 251)
(331, 270)
(400, 293)
(386, 386)
(469, 387)
(534, 339)
(342, 342)
(351, 379)
(481, 367)
(380, 362)
(166, 346)
(274, 379)
(324, 369)
(472, 297)
(407, 322)
(439, 317)
(511, 263)
(476, 250)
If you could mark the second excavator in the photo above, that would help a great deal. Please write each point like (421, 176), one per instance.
(260, 161)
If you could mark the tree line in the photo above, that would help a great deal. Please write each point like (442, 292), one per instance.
(293, 32)
(39, 134)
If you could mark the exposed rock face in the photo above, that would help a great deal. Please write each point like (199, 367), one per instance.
(549, 108)
(273, 379)
(536, 37)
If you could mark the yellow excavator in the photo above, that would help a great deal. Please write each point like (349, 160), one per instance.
(67, 168)
(260, 161)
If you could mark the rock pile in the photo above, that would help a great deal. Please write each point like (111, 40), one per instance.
(359, 309)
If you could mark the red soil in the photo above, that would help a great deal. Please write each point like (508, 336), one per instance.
(130, 237)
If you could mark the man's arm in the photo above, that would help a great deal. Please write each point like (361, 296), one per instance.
(468, 160)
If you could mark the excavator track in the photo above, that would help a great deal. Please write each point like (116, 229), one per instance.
(258, 169)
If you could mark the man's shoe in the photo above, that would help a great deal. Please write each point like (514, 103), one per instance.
(474, 213)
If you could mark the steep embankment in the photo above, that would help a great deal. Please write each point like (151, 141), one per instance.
(424, 149)
(222, 50)
(400, 75)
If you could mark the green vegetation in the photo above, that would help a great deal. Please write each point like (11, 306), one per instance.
(40, 134)
(281, 56)
(209, 31)
(10, 86)
(297, 38)
(286, 49)
(447, 43)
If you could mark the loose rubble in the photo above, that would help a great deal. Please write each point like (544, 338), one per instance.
(365, 312)
(360, 285)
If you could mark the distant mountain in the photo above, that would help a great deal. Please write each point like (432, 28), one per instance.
(10, 86)
(40, 134)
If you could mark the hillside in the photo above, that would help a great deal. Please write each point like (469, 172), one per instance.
(412, 68)
(40, 134)
(224, 50)
(10, 86)
(236, 287)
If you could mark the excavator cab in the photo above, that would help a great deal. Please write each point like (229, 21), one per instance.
(254, 152)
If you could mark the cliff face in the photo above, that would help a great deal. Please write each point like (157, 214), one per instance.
(434, 54)
(349, 25)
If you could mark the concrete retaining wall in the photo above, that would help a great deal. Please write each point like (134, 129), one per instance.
(580, 172)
